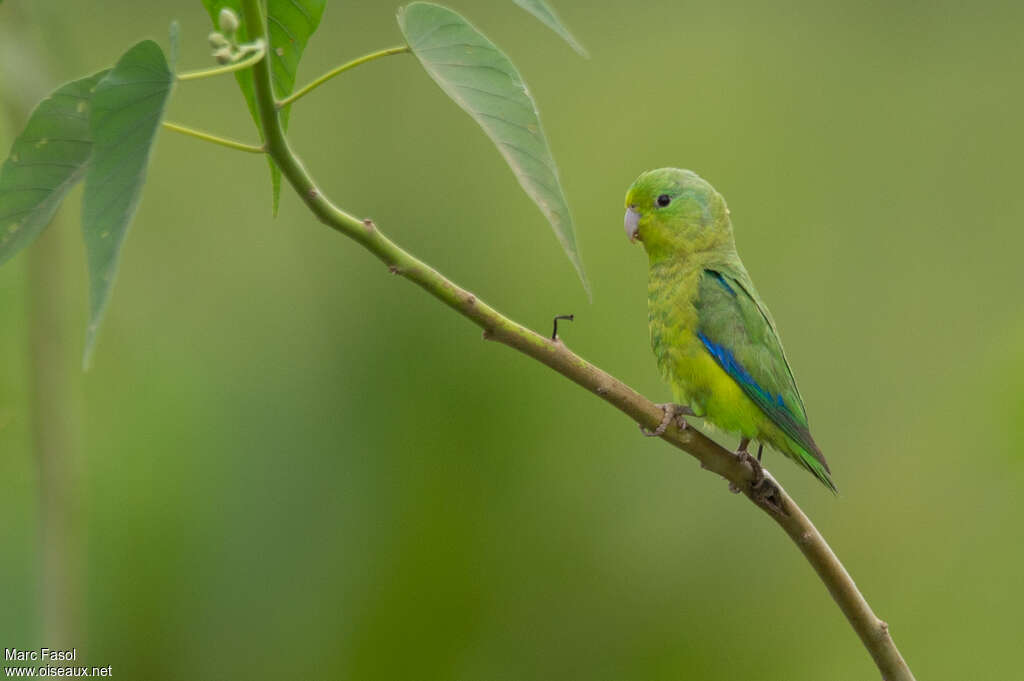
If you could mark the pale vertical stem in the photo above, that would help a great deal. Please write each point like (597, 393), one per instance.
(54, 374)
(56, 427)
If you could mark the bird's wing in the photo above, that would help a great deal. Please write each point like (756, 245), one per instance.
(738, 331)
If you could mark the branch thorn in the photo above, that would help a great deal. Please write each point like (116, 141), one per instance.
(567, 317)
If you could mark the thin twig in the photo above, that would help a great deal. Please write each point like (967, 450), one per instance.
(338, 71)
(769, 496)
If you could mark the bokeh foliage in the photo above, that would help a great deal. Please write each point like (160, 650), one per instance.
(298, 465)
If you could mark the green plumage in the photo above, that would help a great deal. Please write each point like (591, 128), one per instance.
(715, 341)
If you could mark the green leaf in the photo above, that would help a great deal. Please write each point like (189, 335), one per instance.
(481, 79)
(46, 161)
(127, 108)
(547, 16)
(290, 23)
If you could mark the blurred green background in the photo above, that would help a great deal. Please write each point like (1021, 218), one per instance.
(294, 465)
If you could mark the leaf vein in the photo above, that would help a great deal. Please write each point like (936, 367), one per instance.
(21, 164)
(510, 100)
(436, 29)
(291, 36)
(17, 213)
(120, 149)
(302, 10)
(534, 133)
(485, 67)
(55, 139)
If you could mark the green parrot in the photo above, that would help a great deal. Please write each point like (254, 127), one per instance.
(715, 341)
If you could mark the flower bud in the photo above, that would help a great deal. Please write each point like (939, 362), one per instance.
(218, 41)
(228, 21)
(223, 55)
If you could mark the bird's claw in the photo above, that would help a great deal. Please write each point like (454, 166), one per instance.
(671, 412)
(755, 464)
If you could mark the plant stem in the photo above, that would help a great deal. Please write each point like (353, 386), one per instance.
(53, 400)
(55, 426)
(339, 70)
(222, 141)
(259, 50)
(771, 497)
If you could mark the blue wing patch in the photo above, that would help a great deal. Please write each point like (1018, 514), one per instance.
(727, 361)
(722, 281)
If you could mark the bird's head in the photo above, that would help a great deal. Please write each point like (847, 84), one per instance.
(675, 212)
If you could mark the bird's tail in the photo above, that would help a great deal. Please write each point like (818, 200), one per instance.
(815, 463)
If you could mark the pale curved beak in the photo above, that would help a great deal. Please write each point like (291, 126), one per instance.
(632, 223)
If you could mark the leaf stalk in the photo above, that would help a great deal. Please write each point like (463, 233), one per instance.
(259, 51)
(402, 49)
(207, 137)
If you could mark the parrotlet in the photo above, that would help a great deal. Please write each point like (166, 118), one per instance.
(715, 341)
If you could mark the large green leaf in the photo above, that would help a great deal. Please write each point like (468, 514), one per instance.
(290, 23)
(482, 80)
(547, 16)
(46, 161)
(127, 107)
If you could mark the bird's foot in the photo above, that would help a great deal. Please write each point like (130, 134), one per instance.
(754, 462)
(671, 412)
(763, 489)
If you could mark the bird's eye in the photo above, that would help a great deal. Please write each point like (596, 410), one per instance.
(664, 200)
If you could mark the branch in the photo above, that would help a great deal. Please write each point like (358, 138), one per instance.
(774, 500)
